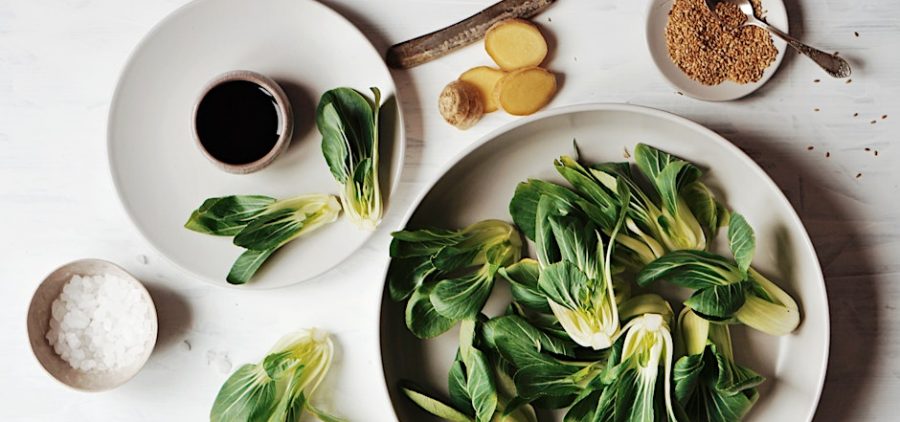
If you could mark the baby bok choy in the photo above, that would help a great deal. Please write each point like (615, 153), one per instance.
(636, 384)
(728, 290)
(261, 224)
(447, 275)
(480, 388)
(575, 273)
(709, 385)
(348, 122)
(680, 212)
(278, 388)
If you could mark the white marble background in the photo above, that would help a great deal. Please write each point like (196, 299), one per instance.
(59, 61)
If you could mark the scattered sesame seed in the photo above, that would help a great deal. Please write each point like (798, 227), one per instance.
(679, 92)
(884, 117)
(810, 148)
(873, 122)
(858, 175)
(827, 154)
(856, 33)
(817, 80)
(855, 114)
(816, 109)
(868, 149)
(876, 152)
(849, 80)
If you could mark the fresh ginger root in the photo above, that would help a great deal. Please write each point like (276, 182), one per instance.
(461, 104)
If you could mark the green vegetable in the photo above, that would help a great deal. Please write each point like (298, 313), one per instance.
(709, 385)
(449, 274)
(575, 274)
(635, 386)
(726, 290)
(261, 225)
(280, 386)
(480, 388)
(348, 122)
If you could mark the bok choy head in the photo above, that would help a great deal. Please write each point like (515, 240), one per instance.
(728, 290)
(575, 274)
(709, 385)
(635, 386)
(279, 387)
(447, 275)
(261, 224)
(348, 122)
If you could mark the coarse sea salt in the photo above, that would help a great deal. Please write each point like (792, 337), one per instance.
(100, 323)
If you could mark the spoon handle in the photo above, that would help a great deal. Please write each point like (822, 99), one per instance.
(833, 65)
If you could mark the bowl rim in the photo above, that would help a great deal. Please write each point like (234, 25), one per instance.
(152, 339)
(804, 240)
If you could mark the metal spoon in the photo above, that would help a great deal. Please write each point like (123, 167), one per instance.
(831, 63)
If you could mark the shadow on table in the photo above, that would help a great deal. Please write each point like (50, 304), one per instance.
(846, 264)
(173, 313)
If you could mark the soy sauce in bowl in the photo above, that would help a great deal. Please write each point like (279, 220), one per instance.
(242, 121)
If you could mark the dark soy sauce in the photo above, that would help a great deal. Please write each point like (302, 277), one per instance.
(238, 122)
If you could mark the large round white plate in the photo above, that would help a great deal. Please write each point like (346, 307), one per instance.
(658, 17)
(479, 184)
(160, 174)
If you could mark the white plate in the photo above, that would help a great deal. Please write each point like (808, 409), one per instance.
(160, 174)
(479, 184)
(658, 17)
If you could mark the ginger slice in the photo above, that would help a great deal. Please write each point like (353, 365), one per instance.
(484, 78)
(515, 44)
(525, 91)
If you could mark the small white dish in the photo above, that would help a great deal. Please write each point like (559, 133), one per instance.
(161, 176)
(38, 321)
(658, 18)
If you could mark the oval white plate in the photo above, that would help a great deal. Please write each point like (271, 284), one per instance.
(160, 174)
(658, 17)
(479, 184)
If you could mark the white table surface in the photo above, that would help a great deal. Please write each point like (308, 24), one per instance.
(59, 62)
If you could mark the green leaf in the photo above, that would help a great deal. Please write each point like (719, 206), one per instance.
(348, 123)
(435, 407)
(405, 275)
(719, 302)
(462, 297)
(691, 269)
(421, 317)
(520, 342)
(288, 220)
(227, 215)
(564, 283)
(459, 396)
(742, 241)
(480, 385)
(697, 379)
(523, 282)
(704, 206)
(246, 266)
(248, 395)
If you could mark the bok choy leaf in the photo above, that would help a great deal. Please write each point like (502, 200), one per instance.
(278, 388)
(261, 225)
(728, 290)
(449, 274)
(635, 386)
(348, 123)
(576, 274)
(709, 385)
